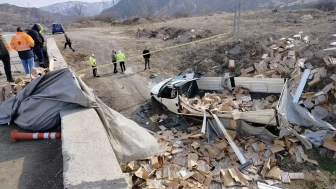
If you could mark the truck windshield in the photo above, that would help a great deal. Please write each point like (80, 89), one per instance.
(181, 77)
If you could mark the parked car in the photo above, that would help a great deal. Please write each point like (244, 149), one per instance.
(57, 28)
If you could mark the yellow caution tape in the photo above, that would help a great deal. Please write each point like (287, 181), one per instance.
(163, 49)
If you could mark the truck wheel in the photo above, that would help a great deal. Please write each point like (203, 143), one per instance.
(53, 33)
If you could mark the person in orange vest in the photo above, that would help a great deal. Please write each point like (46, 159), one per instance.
(23, 44)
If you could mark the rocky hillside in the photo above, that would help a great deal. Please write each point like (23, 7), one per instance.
(129, 8)
(86, 9)
(13, 16)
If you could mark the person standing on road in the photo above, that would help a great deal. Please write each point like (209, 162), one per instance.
(114, 61)
(35, 34)
(23, 43)
(68, 42)
(5, 58)
(93, 64)
(146, 54)
(121, 59)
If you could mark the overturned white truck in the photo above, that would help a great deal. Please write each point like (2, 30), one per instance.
(173, 94)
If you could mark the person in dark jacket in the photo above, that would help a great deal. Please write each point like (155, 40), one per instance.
(39, 40)
(114, 61)
(146, 55)
(5, 58)
(68, 42)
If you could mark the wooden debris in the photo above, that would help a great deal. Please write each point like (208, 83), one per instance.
(227, 178)
(330, 144)
(285, 177)
(276, 148)
(275, 173)
(232, 64)
(142, 173)
(296, 176)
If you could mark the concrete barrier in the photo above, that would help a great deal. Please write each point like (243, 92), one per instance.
(88, 158)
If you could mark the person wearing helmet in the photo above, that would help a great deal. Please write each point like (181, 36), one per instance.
(121, 59)
(93, 64)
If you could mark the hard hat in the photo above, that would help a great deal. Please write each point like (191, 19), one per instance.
(92, 55)
(119, 51)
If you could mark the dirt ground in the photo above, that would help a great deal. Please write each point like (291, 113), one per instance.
(127, 92)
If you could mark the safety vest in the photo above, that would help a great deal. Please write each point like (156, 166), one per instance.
(120, 57)
(92, 61)
(21, 42)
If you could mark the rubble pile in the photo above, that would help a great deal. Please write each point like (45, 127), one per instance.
(283, 62)
(239, 100)
(13, 88)
(187, 160)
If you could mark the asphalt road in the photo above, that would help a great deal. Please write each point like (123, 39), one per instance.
(28, 164)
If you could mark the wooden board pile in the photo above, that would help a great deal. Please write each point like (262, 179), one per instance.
(282, 61)
(186, 161)
(12, 89)
(239, 100)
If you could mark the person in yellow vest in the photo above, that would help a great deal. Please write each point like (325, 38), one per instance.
(93, 64)
(23, 44)
(121, 59)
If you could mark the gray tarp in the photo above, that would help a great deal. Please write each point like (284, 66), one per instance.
(37, 108)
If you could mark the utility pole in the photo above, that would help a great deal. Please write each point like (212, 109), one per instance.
(236, 27)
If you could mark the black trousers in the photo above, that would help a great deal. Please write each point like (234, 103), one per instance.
(115, 67)
(38, 51)
(147, 63)
(122, 66)
(65, 45)
(6, 61)
(94, 69)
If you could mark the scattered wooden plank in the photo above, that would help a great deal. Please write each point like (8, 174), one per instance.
(330, 144)
(274, 173)
(232, 64)
(227, 178)
(296, 176)
(285, 177)
(276, 148)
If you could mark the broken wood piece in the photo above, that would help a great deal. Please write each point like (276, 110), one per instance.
(266, 186)
(330, 144)
(319, 100)
(285, 177)
(266, 167)
(232, 64)
(207, 181)
(276, 148)
(199, 177)
(249, 69)
(280, 142)
(192, 160)
(274, 173)
(296, 176)
(155, 162)
(227, 178)
(308, 104)
(238, 176)
(221, 145)
(316, 80)
(185, 173)
(142, 173)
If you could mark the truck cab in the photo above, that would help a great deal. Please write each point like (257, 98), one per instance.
(167, 91)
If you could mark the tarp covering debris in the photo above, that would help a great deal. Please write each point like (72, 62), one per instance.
(37, 108)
